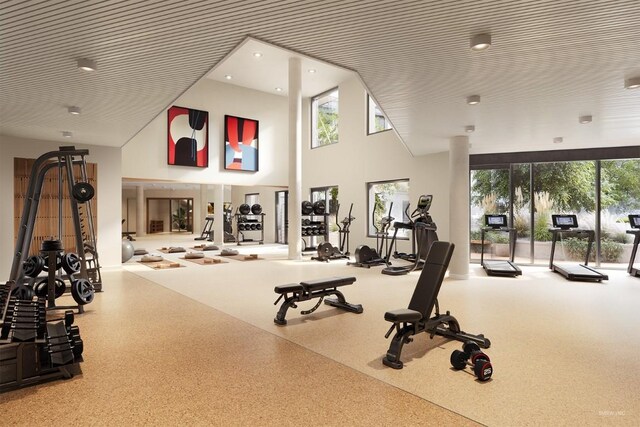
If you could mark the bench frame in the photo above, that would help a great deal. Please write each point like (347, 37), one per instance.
(305, 291)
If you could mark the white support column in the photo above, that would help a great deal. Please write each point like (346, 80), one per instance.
(141, 223)
(218, 214)
(295, 158)
(459, 206)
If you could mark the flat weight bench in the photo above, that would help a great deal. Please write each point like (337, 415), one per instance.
(305, 291)
(416, 319)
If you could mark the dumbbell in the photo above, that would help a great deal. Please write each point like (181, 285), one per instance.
(241, 226)
(254, 226)
(472, 355)
(258, 226)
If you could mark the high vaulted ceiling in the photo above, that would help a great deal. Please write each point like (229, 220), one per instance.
(550, 62)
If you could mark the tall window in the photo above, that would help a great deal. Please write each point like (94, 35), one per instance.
(324, 119)
(252, 198)
(380, 197)
(376, 120)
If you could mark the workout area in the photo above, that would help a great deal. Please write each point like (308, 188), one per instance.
(317, 213)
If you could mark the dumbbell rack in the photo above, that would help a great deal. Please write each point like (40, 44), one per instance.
(314, 224)
(249, 220)
(46, 350)
(51, 256)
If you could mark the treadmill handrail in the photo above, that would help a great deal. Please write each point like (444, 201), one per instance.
(554, 237)
(512, 241)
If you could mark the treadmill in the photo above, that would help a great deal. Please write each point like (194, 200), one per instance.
(634, 221)
(505, 268)
(568, 225)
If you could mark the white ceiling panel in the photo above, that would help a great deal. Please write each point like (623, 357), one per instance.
(550, 62)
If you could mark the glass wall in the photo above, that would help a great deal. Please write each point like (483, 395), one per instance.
(324, 119)
(601, 193)
(385, 197)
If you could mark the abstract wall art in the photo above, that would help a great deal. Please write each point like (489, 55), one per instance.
(188, 137)
(240, 144)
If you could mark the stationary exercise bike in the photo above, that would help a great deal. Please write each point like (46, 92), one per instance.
(328, 252)
(367, 257)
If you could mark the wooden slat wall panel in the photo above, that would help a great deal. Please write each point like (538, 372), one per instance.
(46, 225)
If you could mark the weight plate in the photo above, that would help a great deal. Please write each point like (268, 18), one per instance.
(22, 292)
(58, 262)
(71, 263)
(42, 288)
(325, 249)
(51, 245)
(307, 208)
(319, 207)
(244, 209)
(83, 191)
(82, 291)
(256, 209)
(33, 266)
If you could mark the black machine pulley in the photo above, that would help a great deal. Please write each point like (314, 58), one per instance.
(307, 208)
(256, 209)
(244, 209)
(82, 291)
(319, 207)
(83, 192)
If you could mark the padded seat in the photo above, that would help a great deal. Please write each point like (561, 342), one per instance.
(331, 282)
(291, 287)
(402, 315)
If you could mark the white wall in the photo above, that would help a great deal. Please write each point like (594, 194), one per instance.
(218, 99)
(359, 158)
(108, 193)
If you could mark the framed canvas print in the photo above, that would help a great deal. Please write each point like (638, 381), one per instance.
(188, 137)
(240, 144)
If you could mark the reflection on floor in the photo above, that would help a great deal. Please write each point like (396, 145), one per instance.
(563, 352)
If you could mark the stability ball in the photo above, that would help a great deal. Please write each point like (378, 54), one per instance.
(127, 250)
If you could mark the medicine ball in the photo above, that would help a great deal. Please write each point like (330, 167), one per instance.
(256, 209)
(244, 209)
(307, 208)
(319, 207)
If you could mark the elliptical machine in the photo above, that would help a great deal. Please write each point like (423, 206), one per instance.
(328, 252)
(424, 234)
(367, 257)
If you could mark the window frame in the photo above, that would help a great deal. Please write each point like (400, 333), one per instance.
(369, 212)
(386, 119)
(313, 121)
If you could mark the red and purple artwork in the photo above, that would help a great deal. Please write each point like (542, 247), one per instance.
(188, 132)
(240, 144)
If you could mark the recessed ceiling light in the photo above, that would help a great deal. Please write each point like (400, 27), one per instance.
(312, 70)
(632, 83)
(257, 54)
(228, 76)
(469, 128)
(74, 110)
(67, 134)
(278, 89)
(480, 42)
(557, 140)
(87, 64)
(585, 119)
(473, 99)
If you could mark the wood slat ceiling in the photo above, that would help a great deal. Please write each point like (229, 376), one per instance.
(550, 62)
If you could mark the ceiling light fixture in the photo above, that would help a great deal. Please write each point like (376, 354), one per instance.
(228, 76)
(67, 134)
(87, 64)
(632, 83)
(74, 110)
(557, 140)
(257, 54)
(469, 129)
(312, 70)
(585, 119)
(480, 42)
(473, 99)
(278, 89)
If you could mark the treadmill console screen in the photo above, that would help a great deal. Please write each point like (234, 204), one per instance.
(424, 202)
(564, 221)
(634, 220)
(495, 221)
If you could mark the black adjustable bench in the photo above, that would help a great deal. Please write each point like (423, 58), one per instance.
(304, 291)
(417, 318)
